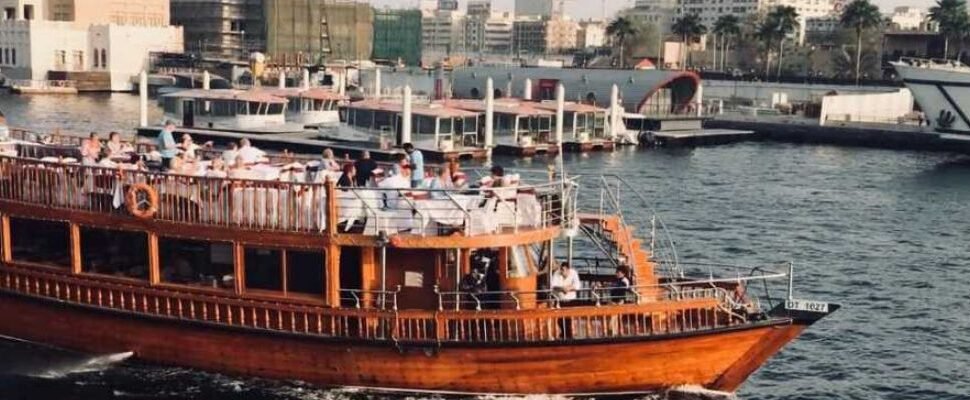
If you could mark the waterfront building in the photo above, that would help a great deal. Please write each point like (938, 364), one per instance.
(318, 29)
(489, 33)
(448, 5)
(591, 34)
(544, 35)
(538, 8)
(660, 13)
(226, 29)
(443, 31)
(478, 8)
(909, 18)
(98, 44)
(397, 35)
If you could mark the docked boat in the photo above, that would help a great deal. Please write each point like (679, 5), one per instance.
(940, 89)
(453, 290)
(228, 109)
(309, 107)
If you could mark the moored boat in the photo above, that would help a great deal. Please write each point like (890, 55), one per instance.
(448, 290)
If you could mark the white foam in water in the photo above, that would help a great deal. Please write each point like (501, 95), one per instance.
(92, 364)
(698, 392)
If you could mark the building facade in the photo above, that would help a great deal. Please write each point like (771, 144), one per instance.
(909, 18)
(491, 33)
(397, 35)
(537, 8)
(660, 13)
(443, 31)
(479, 8)
(318, 30)
(591, 34)
(226, 29)
(99, 44)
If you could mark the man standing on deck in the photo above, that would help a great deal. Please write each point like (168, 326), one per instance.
(166, 144)
(417, 164)
(365, 168)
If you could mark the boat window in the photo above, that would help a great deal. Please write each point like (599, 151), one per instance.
(252, 108)
(320, 105)
(445, 125)
(242, 108)
(223, 108)
(504, 122)
(545, 123)
(305, 272)
(114, 252)
(519, 262)
(363, 118)
(275, 109)
(38, 241)
(424, 125)
(170, 105)
(293, 105)
(469, 125)
(264, 269)
(196, 262)
(581, 124)
(567, 121)
(384, 120)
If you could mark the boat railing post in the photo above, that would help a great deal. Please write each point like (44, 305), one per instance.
(791, 279)
(398, 290)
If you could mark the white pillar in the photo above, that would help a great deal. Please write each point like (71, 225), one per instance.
(406, 119)
(560, 111)
(615, 112)
(700, 100)
(206, 80)
(306, 79)
(527, 90)
(282, 83)
(377, 82)
(143, 98)
(489, 113)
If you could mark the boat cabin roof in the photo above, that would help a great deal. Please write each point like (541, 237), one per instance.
(514, 107)
(316, 93)
(573, 107)
(228, 94)
(434, 109)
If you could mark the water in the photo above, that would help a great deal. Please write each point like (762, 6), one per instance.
(882, 232)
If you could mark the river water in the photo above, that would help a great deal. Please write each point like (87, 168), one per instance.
(885, 233)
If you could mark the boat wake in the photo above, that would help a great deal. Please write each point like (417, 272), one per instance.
(90, 364)
(693, 392)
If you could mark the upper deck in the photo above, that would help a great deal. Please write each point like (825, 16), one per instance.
(282, 195)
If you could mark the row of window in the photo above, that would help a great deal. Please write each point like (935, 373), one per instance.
(181, 261)
(8, 56)
(100, 58)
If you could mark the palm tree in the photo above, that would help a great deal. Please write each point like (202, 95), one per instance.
(951, 16)
(726, 26)
(860, 15)
(621, 29)
(688, 27)
(777, 25)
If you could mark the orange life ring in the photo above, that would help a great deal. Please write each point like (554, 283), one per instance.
(141, 201)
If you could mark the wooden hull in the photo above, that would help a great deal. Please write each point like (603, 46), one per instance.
(719, 360)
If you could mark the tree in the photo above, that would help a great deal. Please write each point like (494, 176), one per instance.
(860, 15)
(777, 25)
(726, 26)
(620, 29)
(951, 16)
(688, 27)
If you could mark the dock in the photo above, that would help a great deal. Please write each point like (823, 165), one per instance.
(526, 151)
(27, 87)
(699, 137)
(588, 146)
(308, 143)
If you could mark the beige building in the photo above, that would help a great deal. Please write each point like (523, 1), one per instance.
(297, 27)
(98, 44)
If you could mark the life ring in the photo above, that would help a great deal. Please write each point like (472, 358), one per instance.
(142, 201)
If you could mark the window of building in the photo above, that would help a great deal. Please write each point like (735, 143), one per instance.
(9, 13)
(196, 262)
(13, 57)
(3, 55)
(97, 60)
(113, 252)
(28, 11)
(40, 241)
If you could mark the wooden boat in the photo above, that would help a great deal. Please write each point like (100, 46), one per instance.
(375, 288)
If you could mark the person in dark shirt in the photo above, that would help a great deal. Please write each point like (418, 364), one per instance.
(365, 168)
(348, 178)
(620, 289)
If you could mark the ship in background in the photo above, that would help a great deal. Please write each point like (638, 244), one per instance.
(942, 90)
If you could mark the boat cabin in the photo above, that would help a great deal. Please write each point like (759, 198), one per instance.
(225, 109)
(582, 123)
(434, 125)
(517, 123)
(309, 107)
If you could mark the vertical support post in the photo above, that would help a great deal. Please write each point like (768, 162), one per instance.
(377, 83)
(489, 115)
(329, 187)
(368, 275)
(306, 79)
(206, 84)
(791, 280)
(560, 112)
(332, 277)
(5, 238)
(143, 99)
(616, 116)
(239, 267)
(154, 263)
(75, 233)
(700, 100)
(406, 118)
(282, 80)
(527, 90)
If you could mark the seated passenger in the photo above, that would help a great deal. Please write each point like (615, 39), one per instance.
(188, 147)
(401, 180)
(329, 161)
(442, 183)
(91, 149)
(365, 168)
(217, 169)
(229, 156)
(249, 154)
(116, 148)
(348, 179)
(565, 283)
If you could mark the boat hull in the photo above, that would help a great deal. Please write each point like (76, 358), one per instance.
(943, 95)
(719, 360)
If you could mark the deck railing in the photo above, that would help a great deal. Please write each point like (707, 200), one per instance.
(402, 327)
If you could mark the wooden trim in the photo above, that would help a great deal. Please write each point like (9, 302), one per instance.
(284, 272)
(154, 260)
(522, 237)
(239, 267)
(74, 231)
(331, 276)
(368, 273)
(329, 187)
(6, 251)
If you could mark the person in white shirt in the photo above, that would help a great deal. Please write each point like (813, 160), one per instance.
(400, 180)
(229, 156)
(565, 283)
(248, 153)
(188, 147)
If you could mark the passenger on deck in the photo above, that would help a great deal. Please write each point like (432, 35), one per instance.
(229, 156)
(91, 149)
(365, 168)
(217, 169)
(348, 179)
(497, 179)
(400, 180)
(239, 169)
(620, 288)
(442, 182)
(417, 164)
(188, 147)
(248, 153)
(166, 144)
(329, 161)
(565, 283)
(116, 148)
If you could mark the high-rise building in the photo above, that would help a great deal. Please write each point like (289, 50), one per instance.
(544, 35)
(397, 35)
(591, 34)
(229, 29)
(443, 31)
(318, 29)
(99, 44)
(660, 13)
(538, 8)
(490, 33)
(448, 5)
(479, 8)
